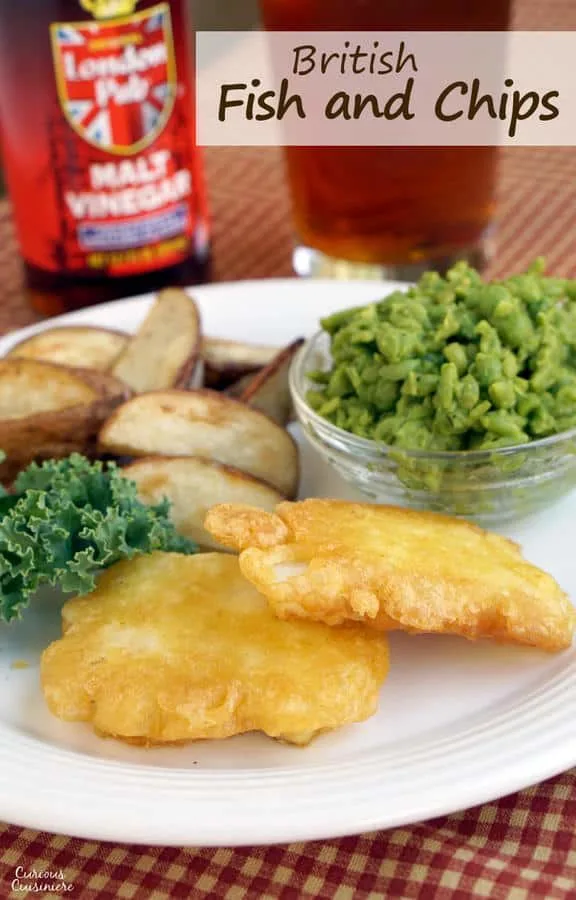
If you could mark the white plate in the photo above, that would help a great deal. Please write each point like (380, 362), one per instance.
(459, 723)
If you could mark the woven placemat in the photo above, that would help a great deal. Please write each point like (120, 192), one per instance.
(252, 230)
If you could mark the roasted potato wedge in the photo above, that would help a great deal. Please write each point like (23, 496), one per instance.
(165, 352)
(51, 435)
(225, 362)
(73, 345)
(204, 423)
(28, 386)
(269, 390)
(193, 485)
(48, 411)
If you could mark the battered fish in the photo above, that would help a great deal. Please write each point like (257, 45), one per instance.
(394, 568)
(175, 648)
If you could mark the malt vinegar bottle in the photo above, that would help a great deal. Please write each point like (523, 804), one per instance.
(98, 133)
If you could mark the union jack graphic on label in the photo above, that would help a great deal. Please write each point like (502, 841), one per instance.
(117, 79)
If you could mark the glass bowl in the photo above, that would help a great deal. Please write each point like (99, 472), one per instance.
(488, 486)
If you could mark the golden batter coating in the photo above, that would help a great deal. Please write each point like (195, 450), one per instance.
(394, 568)
(174, 648)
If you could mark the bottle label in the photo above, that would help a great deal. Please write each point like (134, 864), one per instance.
(123, 152)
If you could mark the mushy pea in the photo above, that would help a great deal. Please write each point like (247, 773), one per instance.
(455, 363)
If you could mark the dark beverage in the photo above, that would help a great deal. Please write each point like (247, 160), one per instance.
(98, 131)
(401, 209)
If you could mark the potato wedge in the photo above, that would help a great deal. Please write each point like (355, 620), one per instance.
(51, 435)
(48, 411)
(225, 362)
(204, 423)
(28, 386)
(73, 345)
(165, 351)
(193, 485)
(269, 390)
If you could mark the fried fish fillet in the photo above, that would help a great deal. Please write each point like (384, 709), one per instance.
(394, 568)
(173, 648)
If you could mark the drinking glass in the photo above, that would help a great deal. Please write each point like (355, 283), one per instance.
(389, 212)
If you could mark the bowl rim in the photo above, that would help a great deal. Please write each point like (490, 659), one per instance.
(367, 446)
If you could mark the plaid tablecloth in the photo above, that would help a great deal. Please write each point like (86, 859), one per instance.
(523, 846)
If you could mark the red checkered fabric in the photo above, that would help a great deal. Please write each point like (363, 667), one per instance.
(523, 846)
(520, 848)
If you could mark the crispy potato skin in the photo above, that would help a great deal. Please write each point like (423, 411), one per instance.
(80, 408)
(174, 648)
(268, 390)
(52, 435)
(226, 361)
(393, 568)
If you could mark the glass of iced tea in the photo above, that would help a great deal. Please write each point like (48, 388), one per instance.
(389, 212)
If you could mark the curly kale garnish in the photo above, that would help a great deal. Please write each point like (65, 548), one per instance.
(68, 519)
